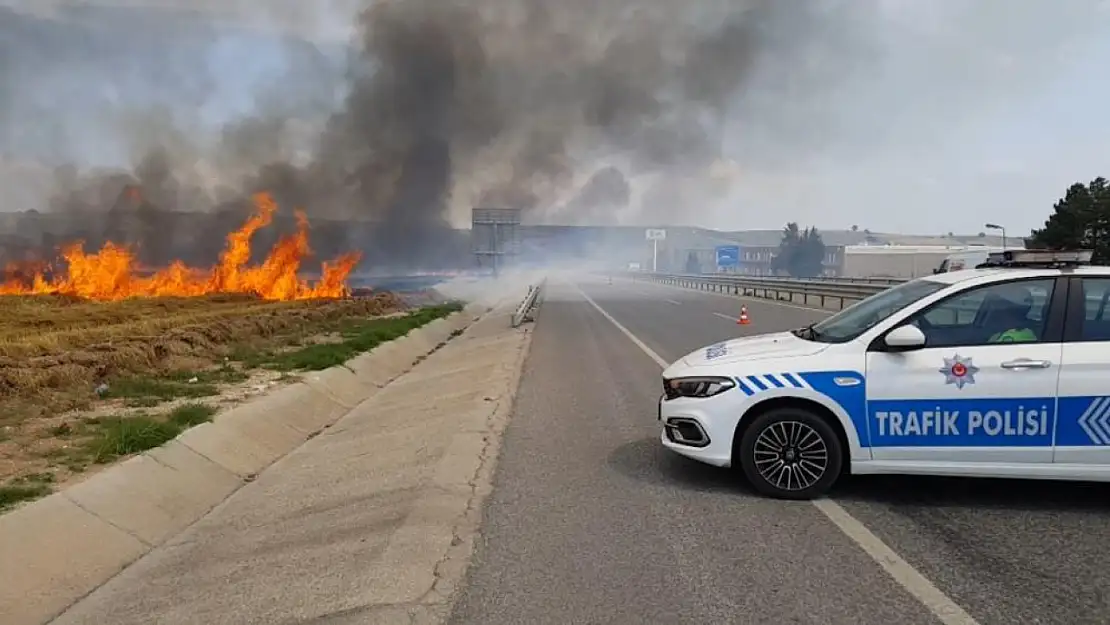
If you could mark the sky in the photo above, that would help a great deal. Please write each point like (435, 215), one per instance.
(998, 144)
(957, 113)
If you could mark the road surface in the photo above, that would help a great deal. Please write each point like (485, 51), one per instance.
(592, 522)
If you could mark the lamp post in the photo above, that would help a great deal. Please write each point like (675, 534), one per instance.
(997, 227)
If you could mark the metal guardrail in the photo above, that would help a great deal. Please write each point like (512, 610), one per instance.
(885, 281)
(526, 310)
(820, 292)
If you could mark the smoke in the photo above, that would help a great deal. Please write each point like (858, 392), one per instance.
(447, 104)
(580, 111)
(602, 198)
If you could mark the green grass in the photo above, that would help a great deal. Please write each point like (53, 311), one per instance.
(108, 439)
(190, 415)
(146, 392)
(13, 494)
(356, 337)
(123, 436)
(25, 488)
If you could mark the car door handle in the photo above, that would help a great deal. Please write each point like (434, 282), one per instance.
(1025, 363)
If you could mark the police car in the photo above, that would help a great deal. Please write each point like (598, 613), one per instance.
(998, 371)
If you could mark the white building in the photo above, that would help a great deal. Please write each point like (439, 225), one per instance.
(898, 261)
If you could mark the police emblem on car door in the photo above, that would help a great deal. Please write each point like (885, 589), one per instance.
(959, 371)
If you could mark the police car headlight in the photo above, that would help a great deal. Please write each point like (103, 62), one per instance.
(697, 387)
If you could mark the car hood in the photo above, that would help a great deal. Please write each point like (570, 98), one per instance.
(777, 345)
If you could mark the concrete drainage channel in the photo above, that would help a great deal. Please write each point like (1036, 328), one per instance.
(58, 550)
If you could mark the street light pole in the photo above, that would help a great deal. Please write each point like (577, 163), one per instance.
(997, 227)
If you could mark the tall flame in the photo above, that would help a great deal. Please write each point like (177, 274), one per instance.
(110, 273)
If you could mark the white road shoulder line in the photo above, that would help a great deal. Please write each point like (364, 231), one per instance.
(941, 605)
(724, 316)
(675, 302)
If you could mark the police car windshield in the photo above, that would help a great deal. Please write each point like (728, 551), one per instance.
(853, 321)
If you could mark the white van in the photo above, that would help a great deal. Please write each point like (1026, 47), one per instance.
(966, 259)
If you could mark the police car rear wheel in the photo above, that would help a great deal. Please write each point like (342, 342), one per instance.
(791, 454)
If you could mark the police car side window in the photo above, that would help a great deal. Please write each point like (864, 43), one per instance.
(988, 314)
(1096, 318)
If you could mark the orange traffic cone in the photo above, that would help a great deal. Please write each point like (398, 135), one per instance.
(743, 320)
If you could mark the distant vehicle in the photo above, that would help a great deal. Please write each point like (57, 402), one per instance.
(993, 372)
(633, 266)
(966, 259)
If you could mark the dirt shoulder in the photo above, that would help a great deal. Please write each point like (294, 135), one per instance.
(84, 384)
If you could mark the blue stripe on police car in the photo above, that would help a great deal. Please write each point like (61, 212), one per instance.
(1094, 421)
(999, 422)
(981, 422)
(1084, 422)
(753, 384)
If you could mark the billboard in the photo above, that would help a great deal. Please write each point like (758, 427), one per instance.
(728, 256)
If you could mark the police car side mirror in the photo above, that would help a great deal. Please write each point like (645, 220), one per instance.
(904, 338)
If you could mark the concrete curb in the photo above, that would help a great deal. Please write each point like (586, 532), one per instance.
(60, 548)
(467, 467)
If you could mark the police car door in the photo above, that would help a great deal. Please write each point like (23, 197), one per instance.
(1083, 431)
(963, 398)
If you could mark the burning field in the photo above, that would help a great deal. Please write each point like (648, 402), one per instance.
(100, 359)
(111, 273)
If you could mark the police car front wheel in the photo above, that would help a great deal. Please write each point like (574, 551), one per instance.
(790, 453)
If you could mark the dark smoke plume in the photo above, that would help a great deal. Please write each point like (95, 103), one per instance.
(449, 104)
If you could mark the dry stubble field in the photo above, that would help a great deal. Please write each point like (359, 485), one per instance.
(85, 383)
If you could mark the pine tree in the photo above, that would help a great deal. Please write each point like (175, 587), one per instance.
(1081, 219)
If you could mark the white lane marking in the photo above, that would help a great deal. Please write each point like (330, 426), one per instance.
(675, 302)
(753, 299)
(941, 605)
(925, 591)
(724, 316)
(632, 337)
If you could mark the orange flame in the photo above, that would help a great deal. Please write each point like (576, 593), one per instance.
(110, 273)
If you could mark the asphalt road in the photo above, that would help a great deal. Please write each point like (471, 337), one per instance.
(592, 522)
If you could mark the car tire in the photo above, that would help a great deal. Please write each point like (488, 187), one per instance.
(808, 442)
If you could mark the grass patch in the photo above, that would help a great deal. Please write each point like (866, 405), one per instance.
(191, 415)
(13, 494)
(117, 437)
(356, 337)
(25, 488)
(55, 350)
(146, 392)
(62, 430)
(222, 375)
(123, 436)
(151, 391)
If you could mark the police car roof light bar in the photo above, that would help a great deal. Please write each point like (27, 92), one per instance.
(1041, 258)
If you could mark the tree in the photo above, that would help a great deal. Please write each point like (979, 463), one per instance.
(809, 260)
(801, 253)
(1080, 219)
(783, 261)
(692, 264)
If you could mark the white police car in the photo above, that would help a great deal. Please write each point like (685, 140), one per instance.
(1000, 371)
